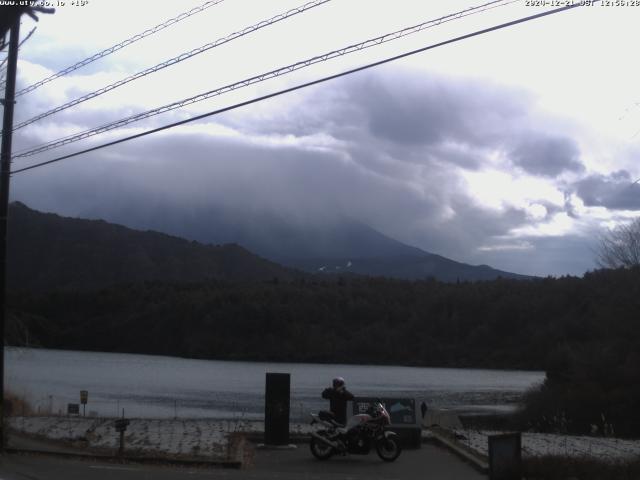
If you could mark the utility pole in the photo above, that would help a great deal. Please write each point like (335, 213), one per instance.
(5, 169)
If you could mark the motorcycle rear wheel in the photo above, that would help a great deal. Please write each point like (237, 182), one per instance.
(388, 449)
(320, 450)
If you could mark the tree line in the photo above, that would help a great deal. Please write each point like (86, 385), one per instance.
(583, 332)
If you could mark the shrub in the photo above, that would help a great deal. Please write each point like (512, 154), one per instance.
(15, 405)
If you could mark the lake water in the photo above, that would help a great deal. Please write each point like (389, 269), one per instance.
(160, 387)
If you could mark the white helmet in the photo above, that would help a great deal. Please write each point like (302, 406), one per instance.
(338, 382)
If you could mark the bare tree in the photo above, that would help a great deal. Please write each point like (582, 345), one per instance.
(620, 247)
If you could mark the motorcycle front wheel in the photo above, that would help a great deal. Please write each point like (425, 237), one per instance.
(388, 449)
(320, 450)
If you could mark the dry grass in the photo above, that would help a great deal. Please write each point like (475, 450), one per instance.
(240, 449)
(15, 405)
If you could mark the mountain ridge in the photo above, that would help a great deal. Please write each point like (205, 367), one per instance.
(46, 250)
(418, 267)
(305, 243)
(49, 251)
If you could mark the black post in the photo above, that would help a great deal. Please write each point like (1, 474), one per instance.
(121, 448)
(121, 425)
(276, 411)
(5, 168)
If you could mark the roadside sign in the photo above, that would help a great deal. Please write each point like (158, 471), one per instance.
(84, 396)
(401, 410)
(121, 424)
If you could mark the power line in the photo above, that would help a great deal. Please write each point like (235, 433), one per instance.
(177, 59)
(121, 45)
(304, 85)
(2, 67)
(24, 40)
(264, 76)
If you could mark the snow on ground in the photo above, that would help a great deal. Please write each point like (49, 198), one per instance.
(190, 438)
(256, 426)
(542, 444)
(180, 438)
(202, 438)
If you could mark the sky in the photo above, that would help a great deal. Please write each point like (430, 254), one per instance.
(517, 148)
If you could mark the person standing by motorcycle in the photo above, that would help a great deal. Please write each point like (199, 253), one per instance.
(338, 396)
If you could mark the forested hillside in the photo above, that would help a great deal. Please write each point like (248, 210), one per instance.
(504, 323)
(47, 252)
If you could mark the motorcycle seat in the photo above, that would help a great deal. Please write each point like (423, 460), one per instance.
(329, 417)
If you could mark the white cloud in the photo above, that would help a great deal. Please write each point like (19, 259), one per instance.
(501, 190)
(501, 247)
(560, 224)
(536, 211)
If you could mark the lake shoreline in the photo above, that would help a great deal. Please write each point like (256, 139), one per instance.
(167, 387)
(284, 362)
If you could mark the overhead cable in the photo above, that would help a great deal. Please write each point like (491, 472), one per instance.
(121, 45)
(4, 60)
(303, 85)
(264, 76)
(177, 59)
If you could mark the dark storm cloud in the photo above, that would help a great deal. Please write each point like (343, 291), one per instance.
(427, 118)
(194, 169)
(471, 226)
(458, 121)
(390, 160)
(407, 120)
(616, 191)
(547, 156)
(301, 185)
(432, 110)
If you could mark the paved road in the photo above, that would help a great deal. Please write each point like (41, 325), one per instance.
(429, 462)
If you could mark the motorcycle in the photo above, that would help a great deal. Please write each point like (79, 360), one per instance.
(361, 433)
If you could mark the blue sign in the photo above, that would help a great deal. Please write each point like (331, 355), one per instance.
(401, 410)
